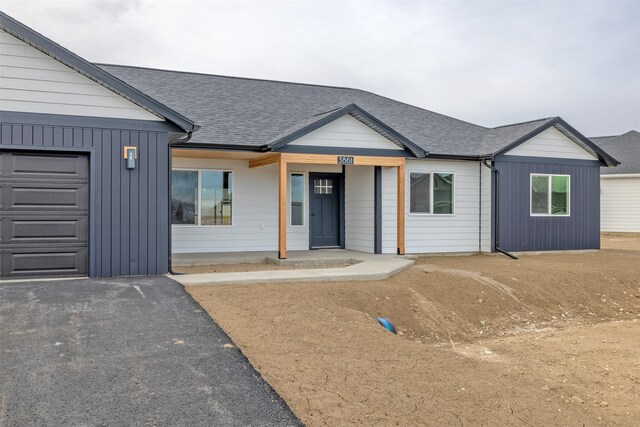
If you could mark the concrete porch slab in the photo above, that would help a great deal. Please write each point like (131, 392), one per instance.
(365, 267)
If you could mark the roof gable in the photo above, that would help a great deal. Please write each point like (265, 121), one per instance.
(33, 82)
(346, 131)
(39, 48)
(551, 143)
(347, 127)
(567, 130)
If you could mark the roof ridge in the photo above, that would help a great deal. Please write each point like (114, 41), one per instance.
(613, 138)
(522, 123)
(605, 136)
(100, 64)
(423, 109)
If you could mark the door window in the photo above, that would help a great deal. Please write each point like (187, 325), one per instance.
(323, 186)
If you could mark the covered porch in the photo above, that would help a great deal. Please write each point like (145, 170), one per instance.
(282, 160)
(261, 213)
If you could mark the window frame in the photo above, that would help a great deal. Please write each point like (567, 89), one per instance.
(431, 200)
(549, 195)
(304, 199)
(199, 200)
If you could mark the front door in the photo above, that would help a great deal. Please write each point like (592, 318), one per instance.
(324, 214)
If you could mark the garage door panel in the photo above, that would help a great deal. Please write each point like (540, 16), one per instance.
(51, 230)
(68, 261)
(57, 166)
(46, 196)
(44, 214)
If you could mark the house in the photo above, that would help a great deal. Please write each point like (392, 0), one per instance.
(106, 170)
(620, 187)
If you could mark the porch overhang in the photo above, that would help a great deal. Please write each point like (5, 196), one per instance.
(283, 159)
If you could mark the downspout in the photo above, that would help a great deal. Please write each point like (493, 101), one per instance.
(496, 221)
(171, 145)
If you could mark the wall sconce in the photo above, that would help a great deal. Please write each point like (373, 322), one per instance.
(131, 154)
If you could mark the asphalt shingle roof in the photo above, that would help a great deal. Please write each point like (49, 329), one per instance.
(625, 148)
(252, 112)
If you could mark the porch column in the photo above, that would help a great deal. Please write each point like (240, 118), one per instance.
(400, 208)
(282, 208)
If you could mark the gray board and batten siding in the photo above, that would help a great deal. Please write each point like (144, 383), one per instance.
(518, 231)
(128, 209)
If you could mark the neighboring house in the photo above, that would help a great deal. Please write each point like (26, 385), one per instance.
(239, 164)
(620, 187)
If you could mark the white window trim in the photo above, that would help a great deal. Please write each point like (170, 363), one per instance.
(549, 214)
(233, 197)
(304, 199)
(431, 180)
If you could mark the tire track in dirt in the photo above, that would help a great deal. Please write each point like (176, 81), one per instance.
(484, 280)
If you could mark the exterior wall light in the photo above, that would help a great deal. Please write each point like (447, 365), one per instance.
(130, 155)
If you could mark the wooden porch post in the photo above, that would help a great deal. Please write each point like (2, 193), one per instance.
(400, 208)
(282, 208)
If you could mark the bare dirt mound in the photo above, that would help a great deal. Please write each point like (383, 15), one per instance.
(546, 340)
(464, 298)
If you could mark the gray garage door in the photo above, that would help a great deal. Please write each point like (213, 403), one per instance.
(44, 214)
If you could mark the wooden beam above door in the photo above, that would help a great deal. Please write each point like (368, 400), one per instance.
(265, 160)
(335, 159)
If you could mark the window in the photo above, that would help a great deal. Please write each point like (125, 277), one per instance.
(550, 195)
(442, 193)
(201, 197)
(420, 192)
(297, 199)
(323, 186)
(215, 193)
(184, 197)
(431, 193)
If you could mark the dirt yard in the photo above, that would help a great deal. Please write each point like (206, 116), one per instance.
(545, 340)
(626, 241)
(261, 266)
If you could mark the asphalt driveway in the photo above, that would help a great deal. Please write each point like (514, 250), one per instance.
(133, 351)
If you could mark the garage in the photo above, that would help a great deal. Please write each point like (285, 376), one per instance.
(44, 214)
(72, 200)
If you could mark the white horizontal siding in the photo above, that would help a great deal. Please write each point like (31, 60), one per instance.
(359, 208)
(620, 204)
(33, 82)
(485, 209)
(446, 233)
(346, 132)
(255, 210)
(389, 210)
(551, 143)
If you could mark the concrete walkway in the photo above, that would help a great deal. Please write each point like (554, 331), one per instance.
(364, 267)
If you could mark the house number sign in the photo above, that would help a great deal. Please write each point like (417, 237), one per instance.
(345, 160)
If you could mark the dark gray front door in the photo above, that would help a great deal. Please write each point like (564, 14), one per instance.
(324, 214)
(44, 212)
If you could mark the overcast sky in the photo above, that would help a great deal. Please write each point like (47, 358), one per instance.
(486, 62)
